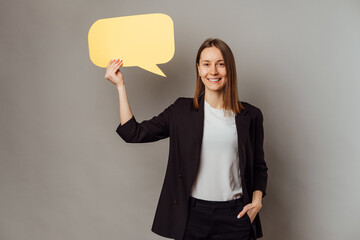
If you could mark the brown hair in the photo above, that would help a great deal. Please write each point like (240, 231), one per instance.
(230, 99)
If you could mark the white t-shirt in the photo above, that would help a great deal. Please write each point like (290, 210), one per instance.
(218, 178)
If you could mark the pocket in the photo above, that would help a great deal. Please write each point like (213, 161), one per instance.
(248, 217)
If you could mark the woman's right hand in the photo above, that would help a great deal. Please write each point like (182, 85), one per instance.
(113, 73)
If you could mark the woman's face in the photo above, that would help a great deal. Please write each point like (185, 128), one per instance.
(212, 69)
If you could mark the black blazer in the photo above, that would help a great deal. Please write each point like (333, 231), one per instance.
(184, 125)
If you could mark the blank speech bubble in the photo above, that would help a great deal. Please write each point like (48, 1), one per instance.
(139, 40)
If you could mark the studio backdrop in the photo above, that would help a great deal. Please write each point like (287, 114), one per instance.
(66, 174)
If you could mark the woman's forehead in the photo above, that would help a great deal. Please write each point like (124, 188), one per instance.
(211, 54)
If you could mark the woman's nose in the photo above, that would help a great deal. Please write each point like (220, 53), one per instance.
(213, 70)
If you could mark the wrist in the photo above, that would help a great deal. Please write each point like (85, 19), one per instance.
(120, 86)
(257, 203)
(257, 197)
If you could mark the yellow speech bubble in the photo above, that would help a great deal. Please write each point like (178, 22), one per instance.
(139, 40)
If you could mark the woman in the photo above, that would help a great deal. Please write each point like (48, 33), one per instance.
(216, 175)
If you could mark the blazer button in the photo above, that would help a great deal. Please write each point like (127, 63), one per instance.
(175, 202)
(180, 175)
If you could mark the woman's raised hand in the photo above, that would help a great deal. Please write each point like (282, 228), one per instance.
(113, 73)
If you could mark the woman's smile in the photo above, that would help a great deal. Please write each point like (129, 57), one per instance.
(214, 79)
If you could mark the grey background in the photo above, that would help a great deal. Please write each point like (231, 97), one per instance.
(66, 174)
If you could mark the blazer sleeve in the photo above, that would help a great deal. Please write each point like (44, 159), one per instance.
(150, 130)
(260, 168)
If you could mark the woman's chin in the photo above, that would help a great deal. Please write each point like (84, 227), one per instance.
(214, 89)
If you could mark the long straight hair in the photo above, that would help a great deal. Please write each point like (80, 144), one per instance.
(230, 96)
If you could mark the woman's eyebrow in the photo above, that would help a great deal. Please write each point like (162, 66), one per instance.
(209, 61)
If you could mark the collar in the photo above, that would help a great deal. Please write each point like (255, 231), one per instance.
(201, 100)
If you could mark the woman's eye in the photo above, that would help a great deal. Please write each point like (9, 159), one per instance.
(221, 64)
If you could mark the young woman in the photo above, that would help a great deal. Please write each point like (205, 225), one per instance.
(216, 175)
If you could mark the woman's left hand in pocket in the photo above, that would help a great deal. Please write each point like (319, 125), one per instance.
(251, 210)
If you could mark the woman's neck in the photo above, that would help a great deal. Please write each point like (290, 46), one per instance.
(215, 99)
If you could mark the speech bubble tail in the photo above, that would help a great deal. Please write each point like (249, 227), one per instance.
(153, 68)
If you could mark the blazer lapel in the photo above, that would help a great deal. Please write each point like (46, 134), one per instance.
(243, 128)
(198, 116)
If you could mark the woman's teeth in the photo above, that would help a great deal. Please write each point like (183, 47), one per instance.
(214, 79)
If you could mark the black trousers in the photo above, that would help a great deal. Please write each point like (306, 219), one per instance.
(217, 220)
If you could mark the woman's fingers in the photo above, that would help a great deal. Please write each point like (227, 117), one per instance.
(118, 64)
(109, 66)
(110, 69)
(113, 61)
(241, 214)
(110, 62)
(250, 210)
(113, 72)
(115, 66)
